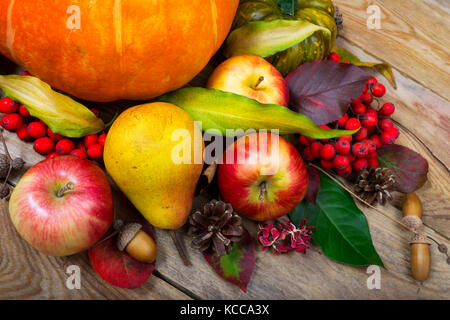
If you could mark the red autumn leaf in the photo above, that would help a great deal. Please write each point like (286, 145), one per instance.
(322, 90)
(119, 268)
(313, 185)
(237, 266)
(409, 168)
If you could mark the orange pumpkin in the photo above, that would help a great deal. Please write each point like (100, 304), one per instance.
(105, 50)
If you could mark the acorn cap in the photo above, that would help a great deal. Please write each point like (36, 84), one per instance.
(420, 238)
(412, 221)
(127, 234)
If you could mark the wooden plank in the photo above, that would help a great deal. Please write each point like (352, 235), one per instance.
(413, 37)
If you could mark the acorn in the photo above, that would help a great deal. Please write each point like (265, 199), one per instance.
(420, 257)
(136, 242)
(412, 211)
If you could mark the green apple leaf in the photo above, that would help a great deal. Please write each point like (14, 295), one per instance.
(237, 266)
(265, 38)
(61, 113)
(340, 228)
(409, 168)
(226, 112)
(382, 68)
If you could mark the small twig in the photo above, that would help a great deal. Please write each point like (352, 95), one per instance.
(362, 200)
(179, 248)
(103, 240)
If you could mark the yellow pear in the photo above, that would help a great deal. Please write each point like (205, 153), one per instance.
(154, 153)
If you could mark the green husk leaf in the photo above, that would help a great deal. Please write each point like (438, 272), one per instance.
(382, 68)
(340, 228)
(266, 38)
(225, 112)
(61, 113)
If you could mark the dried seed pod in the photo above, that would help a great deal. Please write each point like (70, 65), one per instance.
(420, 257)
(136, 242)
(412, 211)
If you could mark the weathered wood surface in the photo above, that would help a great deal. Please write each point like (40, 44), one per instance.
(423, 117)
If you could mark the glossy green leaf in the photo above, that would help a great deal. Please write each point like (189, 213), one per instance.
(266, 38)
(226, 112)
(61, 113)
(382, 68)
(340, 228)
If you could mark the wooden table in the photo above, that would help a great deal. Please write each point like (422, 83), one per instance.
(414, 39)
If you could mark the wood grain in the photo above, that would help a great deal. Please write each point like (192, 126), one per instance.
(413, 37)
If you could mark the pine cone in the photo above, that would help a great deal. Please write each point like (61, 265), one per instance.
(217, 227)
(375, 184)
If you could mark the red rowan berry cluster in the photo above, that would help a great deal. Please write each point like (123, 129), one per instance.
(357, 152)
(17, 118)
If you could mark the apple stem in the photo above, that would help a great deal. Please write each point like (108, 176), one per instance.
(262, 190)
(261, 79)
(179, 247)
(68, 187)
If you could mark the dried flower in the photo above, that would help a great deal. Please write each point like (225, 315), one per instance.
(284, 236)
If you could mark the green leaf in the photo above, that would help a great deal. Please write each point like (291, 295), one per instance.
(265, 38)
(237, 266)
(61, 113)
(225, 112)
(340, 228)
(382, 68)
(288, 6)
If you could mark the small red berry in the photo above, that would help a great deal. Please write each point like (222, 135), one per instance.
(366, 98)
(333, 57)
(37, 129)
(341, 122)
(360, 150)
(78, 153)
(359, 108)
(95, 151)
(360, 165)
(370, 145)
(44, 145)
(361, 134)
(372, 163)
(378, 90)
(352, 124)
(369, 120)
(23, 111)
(307, 155)
(388, 136)
(11, 121)
(348, 138)
(64, 146)
(54, 136)
(340, 162)
(342, 146)
(376, 139)
(305, 140)
(7, 105)
(327, 152)
(371, 155)
(327, 164)
(315, 147)
(90, 140)
(96, 112)
(350, 157)
(345, 172)
(372, 111)
(372, 81)
(387, 109)
(22, 133)
(385, 124)
(52, 155)
(102, 139)
(355, 102)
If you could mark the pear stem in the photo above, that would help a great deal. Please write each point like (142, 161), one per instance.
(261, 79)
(179, 247)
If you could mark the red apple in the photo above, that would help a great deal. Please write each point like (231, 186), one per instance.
(263, 176)
(62, 205)
(253, 77)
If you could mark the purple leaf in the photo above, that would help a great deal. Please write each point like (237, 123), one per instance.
(409, 168)
(313, 185)
(322, 90)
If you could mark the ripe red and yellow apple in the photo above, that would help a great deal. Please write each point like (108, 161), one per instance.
(253, 77)
(62, 206)
(263, 176)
